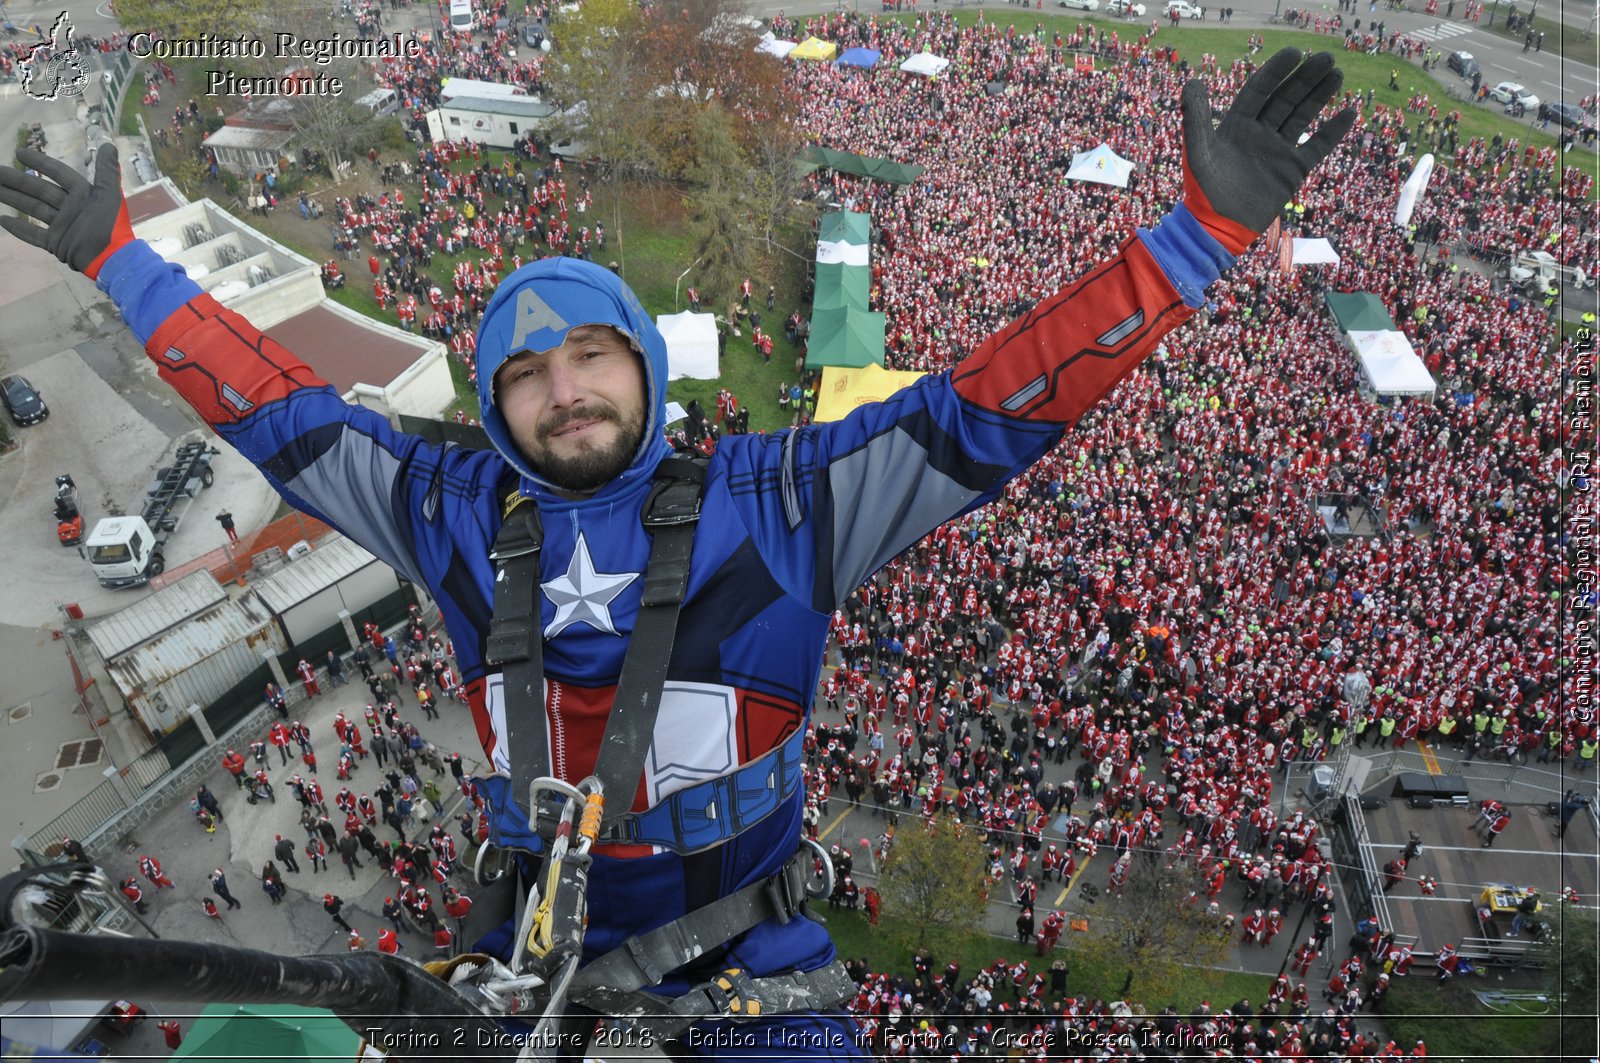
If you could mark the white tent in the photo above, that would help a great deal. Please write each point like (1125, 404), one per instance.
(1314, 251)
(691, 345)
(925, 63)
(777, 47)
(1412, 191)
(1390, 364)
(1102, 166)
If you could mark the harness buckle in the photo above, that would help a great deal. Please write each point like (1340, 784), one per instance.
(733, 996)
(672, 503)
(781, 891)
(510, 639)
(635, 949)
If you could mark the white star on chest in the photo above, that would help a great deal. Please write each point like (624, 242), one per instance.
(582, 595)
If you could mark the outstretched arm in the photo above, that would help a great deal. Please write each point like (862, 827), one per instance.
(339, 462)
(948, 444)
(1061, 358)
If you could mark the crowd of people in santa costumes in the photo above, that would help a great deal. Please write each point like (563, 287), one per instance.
(389, 776)
(1160, 582)
(500, 213)
(1012, 1010)
(1156, 603)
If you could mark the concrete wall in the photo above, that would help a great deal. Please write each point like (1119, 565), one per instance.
(425, 389)
(296, 285)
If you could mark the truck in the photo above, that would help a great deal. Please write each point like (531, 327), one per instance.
(1534, 271)
(128, 550)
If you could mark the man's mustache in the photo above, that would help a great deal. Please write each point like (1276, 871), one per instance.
(588, 413)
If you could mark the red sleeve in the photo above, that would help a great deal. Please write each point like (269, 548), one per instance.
(1057, 360)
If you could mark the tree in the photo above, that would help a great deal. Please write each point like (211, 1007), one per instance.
(720, 214)
(335, 125)
(591, 31)
(190, 18)
(1573, 973)
(1156, 926)
(933, 883)
(775, 181)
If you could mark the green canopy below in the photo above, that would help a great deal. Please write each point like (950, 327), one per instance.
(898, 173)
(286, 1032)
(845, 227)
(845, 337)
(840, 286)
(1359, 312)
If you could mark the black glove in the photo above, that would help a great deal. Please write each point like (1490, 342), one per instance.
(84, 224)
(1237, 176)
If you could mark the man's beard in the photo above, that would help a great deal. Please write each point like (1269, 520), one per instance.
(593, 466)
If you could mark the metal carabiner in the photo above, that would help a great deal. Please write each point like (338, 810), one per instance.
(490, 864)
(553, 919)
(827, 871)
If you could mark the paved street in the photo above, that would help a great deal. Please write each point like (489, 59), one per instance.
(243, 844)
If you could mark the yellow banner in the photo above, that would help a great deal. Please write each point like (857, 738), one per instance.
(844, 389)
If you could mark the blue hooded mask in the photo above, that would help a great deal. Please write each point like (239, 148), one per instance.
(533, 310)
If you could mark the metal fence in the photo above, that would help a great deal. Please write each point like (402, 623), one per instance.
(116, 78)
(1352, 851)
(98, 806)
(169, 769)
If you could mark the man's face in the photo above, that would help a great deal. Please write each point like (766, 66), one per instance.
(577, 411)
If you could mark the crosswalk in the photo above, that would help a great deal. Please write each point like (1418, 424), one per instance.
(1440, 31)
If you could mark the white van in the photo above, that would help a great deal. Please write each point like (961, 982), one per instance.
(461, 16)
(380, 102)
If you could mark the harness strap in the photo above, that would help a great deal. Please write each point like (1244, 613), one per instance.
(646, 959)
(614, 984)
(671, 513)
(686, 821)
(516, 642)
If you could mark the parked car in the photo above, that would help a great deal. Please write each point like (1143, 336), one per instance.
(1515, 97)
(1184, 9)
(1463, 63)
(23, 401)
(1081, 5)
(534, 32)
(1568, 115)
(1126, 8)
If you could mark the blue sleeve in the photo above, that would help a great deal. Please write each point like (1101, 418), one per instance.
(146, 287)
(1190, 257)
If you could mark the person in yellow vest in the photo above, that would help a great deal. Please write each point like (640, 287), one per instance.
(1385, 730)
(1586, 752)
(1587, 320)
(1336, 737)
(1359, 726)
(1447, 729)
(1553, 739)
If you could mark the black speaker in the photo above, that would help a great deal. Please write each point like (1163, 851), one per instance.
(1419, 801)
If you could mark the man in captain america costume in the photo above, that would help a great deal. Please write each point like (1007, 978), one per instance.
(572, 384)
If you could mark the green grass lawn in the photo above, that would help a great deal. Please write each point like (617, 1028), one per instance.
(1089, 972)
(1456, 1026)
